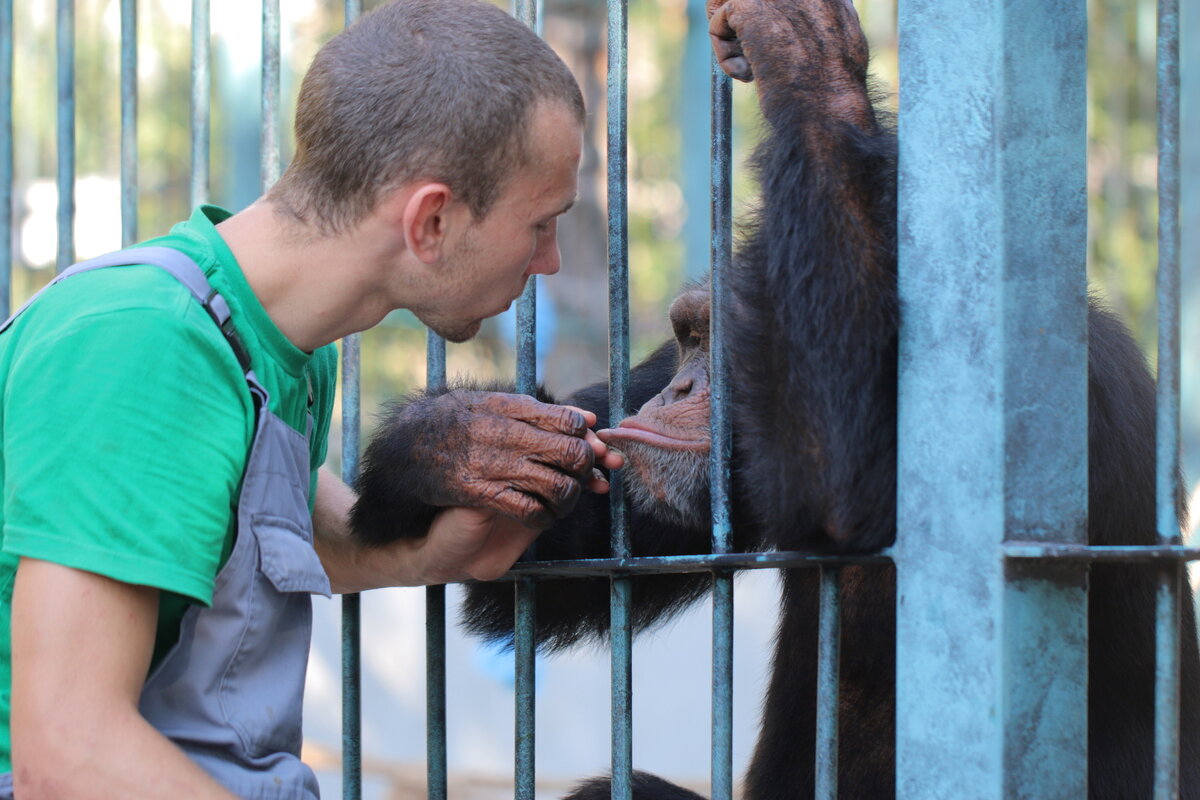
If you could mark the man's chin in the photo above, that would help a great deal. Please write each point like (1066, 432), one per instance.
(456, 332)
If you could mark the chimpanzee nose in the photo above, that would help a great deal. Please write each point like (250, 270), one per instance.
(678, 389)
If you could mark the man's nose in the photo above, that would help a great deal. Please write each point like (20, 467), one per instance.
(546, 258)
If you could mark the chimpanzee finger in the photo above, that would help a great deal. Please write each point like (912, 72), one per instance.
(557, 491)
(564, 454)
(525, 508)
(609, 459)
(598, 484)
(544, 416)
(727, 47)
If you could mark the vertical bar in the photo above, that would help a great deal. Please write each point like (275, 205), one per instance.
(351, 603)
(991, 658)
(525, 664)
(525, 633)
(435, 627)
(201, 103)
(351, 441)
(722, 437)
(269, 142)
(1167, 656)
(620, 595)
(6, 156)
(65, 33)
(435, 691)
(129, 104)
(695, 110)
(1189, 237)
(828, 658)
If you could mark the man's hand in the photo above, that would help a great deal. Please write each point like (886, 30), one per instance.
(462, 543)
(508, 453)
(471, 543)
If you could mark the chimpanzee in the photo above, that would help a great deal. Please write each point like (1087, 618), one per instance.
(812, 343)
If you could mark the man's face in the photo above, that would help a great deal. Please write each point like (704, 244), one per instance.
(488, 264)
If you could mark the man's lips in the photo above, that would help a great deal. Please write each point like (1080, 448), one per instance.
(632, 430)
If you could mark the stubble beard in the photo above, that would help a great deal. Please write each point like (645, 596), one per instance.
(463, 263)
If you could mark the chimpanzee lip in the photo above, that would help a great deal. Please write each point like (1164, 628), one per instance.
(633, 431)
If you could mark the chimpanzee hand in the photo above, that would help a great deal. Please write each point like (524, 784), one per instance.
(508, 453)
(796, 49)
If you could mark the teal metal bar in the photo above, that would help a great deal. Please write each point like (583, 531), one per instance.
(65, 34)
(621, 630)
(435, 627)
(828, 659)
(720, 255)
(525, 628)
(525, 656)
(129, 105)
(1127, 554)
(435, 692)
(6, 156)
(695, 116)
(653, 565)
(351, 447)
(1168, 605)
(269, 143)
(351, 603)
(991, 656)
(201, 103)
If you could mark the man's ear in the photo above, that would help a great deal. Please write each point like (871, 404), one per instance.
(424, 219)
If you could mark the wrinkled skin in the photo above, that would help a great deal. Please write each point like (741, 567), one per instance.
(508, 452)
(811, 337)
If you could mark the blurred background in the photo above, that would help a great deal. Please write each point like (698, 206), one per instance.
(668, 245)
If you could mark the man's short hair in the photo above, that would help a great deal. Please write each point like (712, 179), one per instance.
(418, 89)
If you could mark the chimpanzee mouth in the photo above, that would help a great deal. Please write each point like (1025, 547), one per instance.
(632, 430)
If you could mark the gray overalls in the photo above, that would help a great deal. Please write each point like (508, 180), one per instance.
(229, 693)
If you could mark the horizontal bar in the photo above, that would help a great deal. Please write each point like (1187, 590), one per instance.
(648, 565)
(1128, 554)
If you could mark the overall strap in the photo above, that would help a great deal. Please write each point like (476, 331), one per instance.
(184, 270)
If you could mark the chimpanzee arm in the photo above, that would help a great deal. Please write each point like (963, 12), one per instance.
(482, 446)
(814, 283)
(469, 446)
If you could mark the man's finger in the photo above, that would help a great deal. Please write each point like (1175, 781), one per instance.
(508, 540)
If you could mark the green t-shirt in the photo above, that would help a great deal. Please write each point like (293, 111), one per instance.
(126, 421)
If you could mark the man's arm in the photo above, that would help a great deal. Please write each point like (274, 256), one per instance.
(81, 648)
(462, 543)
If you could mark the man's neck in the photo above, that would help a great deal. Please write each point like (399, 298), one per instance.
(316, 288)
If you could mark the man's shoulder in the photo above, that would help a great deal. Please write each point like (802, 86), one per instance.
(134, 307)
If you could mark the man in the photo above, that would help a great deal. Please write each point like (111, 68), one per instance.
(161, 442)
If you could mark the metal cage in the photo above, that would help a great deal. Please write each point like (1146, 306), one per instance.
(988, 595)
